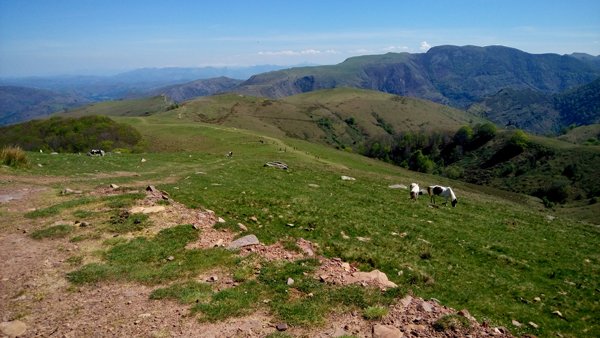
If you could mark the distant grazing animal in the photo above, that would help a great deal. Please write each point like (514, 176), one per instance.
(230, 154)
(437, 190)
(414, 191)
(96, 152)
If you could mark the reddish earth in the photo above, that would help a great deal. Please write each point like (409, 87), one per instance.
(34, 291)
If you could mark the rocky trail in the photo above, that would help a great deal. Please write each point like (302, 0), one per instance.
(36, 300)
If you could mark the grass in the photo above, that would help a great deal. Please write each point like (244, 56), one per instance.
(186, 293)
(146, 260)
(123, 222)
(375, 312)
(451, 323)
(490, 255)
(14, 157)
(55, 231)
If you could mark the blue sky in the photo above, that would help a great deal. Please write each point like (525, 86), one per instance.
(49, 37)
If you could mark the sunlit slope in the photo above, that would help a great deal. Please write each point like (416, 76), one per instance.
(341, 117)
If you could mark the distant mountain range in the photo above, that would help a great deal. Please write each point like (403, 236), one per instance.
(505, 85)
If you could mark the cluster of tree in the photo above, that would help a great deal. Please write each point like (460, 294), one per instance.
(71, 134)
(429, 152)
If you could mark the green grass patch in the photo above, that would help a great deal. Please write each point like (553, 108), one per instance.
(451, 323)
(55, 231)
(57, 208)
(14, 157)
(123, 200)
(123, 222)
(375, 312)
(154, 260)
(186, 292)
(234, 302)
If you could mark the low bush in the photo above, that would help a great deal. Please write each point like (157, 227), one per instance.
(14, 156)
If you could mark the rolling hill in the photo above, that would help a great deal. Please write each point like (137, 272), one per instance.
(19, 104)
(452, 75)
(193, 89)
(342, 117)
(539, 112)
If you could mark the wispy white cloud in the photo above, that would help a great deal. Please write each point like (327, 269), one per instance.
(297, 52)
(424, 46)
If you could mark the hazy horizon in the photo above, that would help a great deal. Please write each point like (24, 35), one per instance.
(68, 37)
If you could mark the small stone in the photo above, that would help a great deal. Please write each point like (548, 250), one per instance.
(397, 186)
(406, 300)
(145, 315)
(344, 236)
(312, 185)
(213, 278)
(170, 258)
(465, 313)
(221, 220)
(310, 294)
(147, 210)
(114, 186)
(218, 243)
(348, 178)
(84, 224)
(322, 278)
(242, 227)
(13, 328)
(254, 219)
(533, 325)
(290, 281)
(291, 225)
(386, 331)
(537, 299)
(558, 313)
(424, 306)
(143, 160)
(346, 266)
(281, 327)
(243, 241)
(516, 323)
(40, 165)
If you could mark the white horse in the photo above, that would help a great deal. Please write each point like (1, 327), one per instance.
(437, 190)
(414, 191)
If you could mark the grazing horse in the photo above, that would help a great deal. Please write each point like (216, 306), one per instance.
(414, 191)
(437, 190)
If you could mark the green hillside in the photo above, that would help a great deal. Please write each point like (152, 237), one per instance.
(497, 254)
(131, 107)
(583, 135)
(342, 117)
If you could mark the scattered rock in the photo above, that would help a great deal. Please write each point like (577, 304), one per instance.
(40, 165)
(346, 266)
(348, 178)
(290, 281)
(143, 160)
(83, 224)
(550, 217)
(533, 325)
(363, 239)
(218, 243)
(13, 328)
(68, 191)
(253, 219)
(406, 300)
(558, 313)
(145, 315)
(374, 277)
(242, 227)
(281, 327)
(221, 220)
(276, 164)
(425, 307)
(243, 241)
(114, 186)
(147, 210)
(291, 225)
(386, 331)
(344, 236)
(465, 313)
(397, 186)
(152, 189)
(312, 185)
(213, 278)
(516, 323)
(537, 299)
(170, 258)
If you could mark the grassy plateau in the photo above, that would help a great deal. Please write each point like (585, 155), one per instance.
(498, 254)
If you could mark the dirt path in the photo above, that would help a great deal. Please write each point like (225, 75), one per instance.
(34, 291)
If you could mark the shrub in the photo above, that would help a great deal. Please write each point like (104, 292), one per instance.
(451, 322)
(14, 157)
(375, 312)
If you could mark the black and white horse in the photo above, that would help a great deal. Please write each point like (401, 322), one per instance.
(414, 191)
(437, 190)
